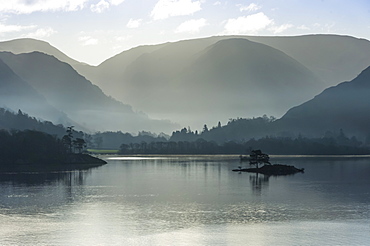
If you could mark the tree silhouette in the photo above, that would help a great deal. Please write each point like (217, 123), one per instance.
(205, 128)
(79, 144)
(67, 139)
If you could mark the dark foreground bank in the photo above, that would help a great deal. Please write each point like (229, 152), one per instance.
(69, 163)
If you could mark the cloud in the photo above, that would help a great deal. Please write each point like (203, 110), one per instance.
(250, 24)
(325, 27)
(87, 40)
(303, 27)
(217, 3)
(167, 8)
(123, 38)
(41, 33)
(30, 6)
(99, 7)
(134, 23)
(116, 2)
(250, 8)
(14, 28)
(103, 5)
(38, 33)
(280, 29)
(191, 26)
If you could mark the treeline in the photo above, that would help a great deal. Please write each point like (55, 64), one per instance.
(30, 147)
(271, 145)
(21, 121)
(236, 137)
(242, 129)
(236, 130)
(113, 140)
(38, 151)
(239, 129)
(27, 140)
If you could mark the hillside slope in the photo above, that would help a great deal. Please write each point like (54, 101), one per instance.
(333, 58)
(345, 106)
(151, 78)
(16, 94)
(231, 78)
(28, 45)
(70, 92)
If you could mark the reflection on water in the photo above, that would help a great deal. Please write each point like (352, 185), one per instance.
(39, 178)
(258, 182)
(188, 201)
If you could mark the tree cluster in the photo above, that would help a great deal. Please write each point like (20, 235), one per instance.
(272, 145)
(22, 121)
(199, 146)
(26, 147)
(113, 140)
(239, 129)
(73, 145)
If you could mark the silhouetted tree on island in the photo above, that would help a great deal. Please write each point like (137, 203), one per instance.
(68, 138)
(77, 144)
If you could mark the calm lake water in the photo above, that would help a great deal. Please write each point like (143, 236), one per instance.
(189, 201)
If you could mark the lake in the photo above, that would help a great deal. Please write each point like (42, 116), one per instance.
(189, 200)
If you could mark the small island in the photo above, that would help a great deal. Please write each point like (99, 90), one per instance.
(257, 157)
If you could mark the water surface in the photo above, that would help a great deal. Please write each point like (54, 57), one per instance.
(189, 200)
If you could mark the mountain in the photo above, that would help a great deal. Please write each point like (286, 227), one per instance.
(16, 94)
(28, 45)
(345, 106)
(71, 93)
(150, 78)
(154, 73)
(231, 78)
(333, 58)
(241, 77)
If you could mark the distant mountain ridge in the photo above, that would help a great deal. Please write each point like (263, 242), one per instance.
(345, 106)
(337, 116)
(241, 77)
(28, 45)
(333, 58)
(147, 70)
(194, 79)
(226, 79)
(15, 93)
(71, 93)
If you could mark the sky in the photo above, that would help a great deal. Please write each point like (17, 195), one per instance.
(91, 31)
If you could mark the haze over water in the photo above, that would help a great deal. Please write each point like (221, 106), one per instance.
(189, 201)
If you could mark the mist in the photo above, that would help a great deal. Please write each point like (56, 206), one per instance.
(163, 88)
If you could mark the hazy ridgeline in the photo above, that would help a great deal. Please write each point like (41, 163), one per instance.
(237, 137)
(194, 83)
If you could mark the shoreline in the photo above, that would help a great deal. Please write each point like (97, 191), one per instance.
(234, 155)
(73, 162)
